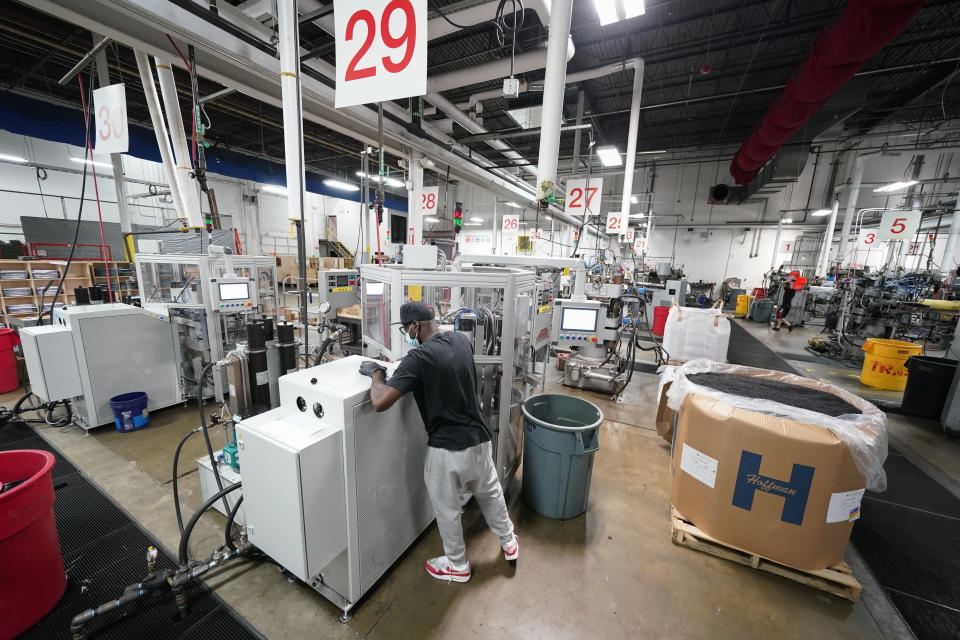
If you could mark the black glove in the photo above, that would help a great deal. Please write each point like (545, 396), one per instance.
(369, 366)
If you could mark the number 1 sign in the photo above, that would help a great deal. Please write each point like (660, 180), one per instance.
(381, 49)
(110, 108)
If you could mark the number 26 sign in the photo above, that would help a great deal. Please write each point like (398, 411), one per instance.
(381, 49)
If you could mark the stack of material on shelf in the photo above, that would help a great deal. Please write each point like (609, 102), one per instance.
(50, 274)
(770, 462)
(13, 292)
(21, 308)
(14, 274)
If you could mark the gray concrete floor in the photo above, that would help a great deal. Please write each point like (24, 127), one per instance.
(611, 573)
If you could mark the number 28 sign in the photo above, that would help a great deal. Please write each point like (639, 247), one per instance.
(381, 49)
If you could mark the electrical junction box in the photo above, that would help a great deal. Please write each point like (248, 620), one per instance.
(420, 256)
(51, 362)
(511, 87)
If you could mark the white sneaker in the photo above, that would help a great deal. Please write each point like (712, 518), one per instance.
(511, 550)
(442, 569)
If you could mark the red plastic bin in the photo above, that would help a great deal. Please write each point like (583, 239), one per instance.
(8, 361)
(660, 320)
(32, 579)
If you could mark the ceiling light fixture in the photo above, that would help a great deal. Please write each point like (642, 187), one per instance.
(269, 188)
(340, 184)
(513, 204)
(651, 153)
(819, 213)
(610, 11)
(609, 156)
(895, 186)
(473, 224)
(431, 219)
(105, 165)
(786, 220)
(636, 215)
(387, 180)
(476, 219)
(9, 158)
(634, 199)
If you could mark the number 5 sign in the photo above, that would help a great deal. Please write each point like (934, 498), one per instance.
(381, 49)
(110, 107)
(580, 197)
(899, 225)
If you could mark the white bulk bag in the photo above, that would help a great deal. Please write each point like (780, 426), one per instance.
(692, 333)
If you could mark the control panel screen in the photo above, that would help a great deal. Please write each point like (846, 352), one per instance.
(343, 281)
(579, 320)
(234, 291)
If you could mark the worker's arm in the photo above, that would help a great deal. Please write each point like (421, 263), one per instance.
(382, 395)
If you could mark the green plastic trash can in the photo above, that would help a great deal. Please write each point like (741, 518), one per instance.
(561, 435)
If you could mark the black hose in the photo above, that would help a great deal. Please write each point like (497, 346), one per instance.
(185, 538)
(176, 491)
(323, 348)
(228, 530)
(206, 435)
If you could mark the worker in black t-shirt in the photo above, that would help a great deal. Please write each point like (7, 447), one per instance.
(786, 302)
(440, 373)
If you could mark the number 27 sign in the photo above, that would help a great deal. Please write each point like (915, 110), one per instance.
(381, 49)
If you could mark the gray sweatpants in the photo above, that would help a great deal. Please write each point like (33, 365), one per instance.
(448, 474)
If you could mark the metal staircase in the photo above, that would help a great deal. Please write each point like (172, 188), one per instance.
(332, 247)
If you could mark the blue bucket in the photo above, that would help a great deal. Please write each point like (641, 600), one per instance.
(130, 411)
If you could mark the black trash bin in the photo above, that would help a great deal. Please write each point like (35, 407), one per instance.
(928, 384)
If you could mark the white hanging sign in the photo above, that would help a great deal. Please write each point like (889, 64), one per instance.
(868, 239)
(581, 197)
(628, 236)
(899, 225)
(110, 109)
(786, 247)
(511, 224)
(381, 50)
(639, 245)
(614, 222)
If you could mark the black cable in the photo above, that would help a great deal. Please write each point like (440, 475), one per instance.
(83, 191)
(227, 531)
(185, 538)
(206, 435)
(176, 491)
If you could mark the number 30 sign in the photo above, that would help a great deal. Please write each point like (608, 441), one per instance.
(110, 111)
(381, 48)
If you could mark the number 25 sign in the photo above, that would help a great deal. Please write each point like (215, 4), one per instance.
(381, 49)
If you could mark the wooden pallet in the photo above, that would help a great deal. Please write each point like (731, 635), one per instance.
(837, 579)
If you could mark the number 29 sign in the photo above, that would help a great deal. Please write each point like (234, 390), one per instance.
(381, 49)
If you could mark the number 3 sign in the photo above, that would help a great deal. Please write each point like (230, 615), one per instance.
(110, 109)
(381, 49)
(899, 225)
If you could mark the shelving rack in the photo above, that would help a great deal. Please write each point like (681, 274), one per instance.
(77, 275)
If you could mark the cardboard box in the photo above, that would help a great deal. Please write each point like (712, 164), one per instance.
(665, 416)
(780, 488)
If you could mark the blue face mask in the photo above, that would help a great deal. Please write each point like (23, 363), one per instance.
(413, 342)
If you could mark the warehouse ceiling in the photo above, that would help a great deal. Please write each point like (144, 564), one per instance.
(712, 69)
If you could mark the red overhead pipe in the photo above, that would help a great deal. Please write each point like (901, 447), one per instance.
(864, 27)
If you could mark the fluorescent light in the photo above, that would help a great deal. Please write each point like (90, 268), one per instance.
(269, 188)
(8, 158)
(339, 184)
(105, 165)
(606, 11)
(634, 8)
(473, 224)
(476, 219)
(513, 204)
(895, 186)
(634, 199)
(390, 182)
(609, 156)
(651, 153)
(819, 213)
(636, 215)
(431, 219)
(548, 217)
(786, 220)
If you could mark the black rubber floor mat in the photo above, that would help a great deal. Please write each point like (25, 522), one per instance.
(104, 551)
(747, 350)
(909, 536)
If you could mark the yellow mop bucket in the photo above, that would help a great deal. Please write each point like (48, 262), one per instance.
(884, 366)
(743, 305)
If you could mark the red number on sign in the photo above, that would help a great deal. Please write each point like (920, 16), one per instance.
(119, 122)
(510, 224)
(104, 130)
(428, 201)
(591, 191)
(613, 223)
(576, 195)
(898, 223)
(408, 38)
(367, 72)
(111, 127)
(870, 237)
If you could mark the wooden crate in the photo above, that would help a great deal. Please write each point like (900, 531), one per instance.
(837, 579)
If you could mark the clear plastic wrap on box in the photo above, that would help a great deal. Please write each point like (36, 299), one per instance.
(865, 434)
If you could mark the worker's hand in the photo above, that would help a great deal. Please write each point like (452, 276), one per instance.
(369, 366)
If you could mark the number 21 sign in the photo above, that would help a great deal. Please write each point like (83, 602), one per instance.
(381, 49)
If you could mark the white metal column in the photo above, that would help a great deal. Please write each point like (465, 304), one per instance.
(632, 143)
(414, 211)
(776, 245)
(554, 85)
(855, 180)
(823, 262)
(949, 259)
(181, 147)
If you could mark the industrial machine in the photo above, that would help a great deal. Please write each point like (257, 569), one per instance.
(494, 307)
(332, 490)
(92, 353)
(672, 290)
(338, 288)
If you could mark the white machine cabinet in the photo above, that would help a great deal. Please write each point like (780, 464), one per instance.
(333, 490)
(51, 362)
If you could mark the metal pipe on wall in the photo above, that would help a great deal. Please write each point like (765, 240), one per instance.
(634, 131)
(776, 245)
(554, 85)
(289, 49)
(823, 262)
(160, 128)
(181, 148)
